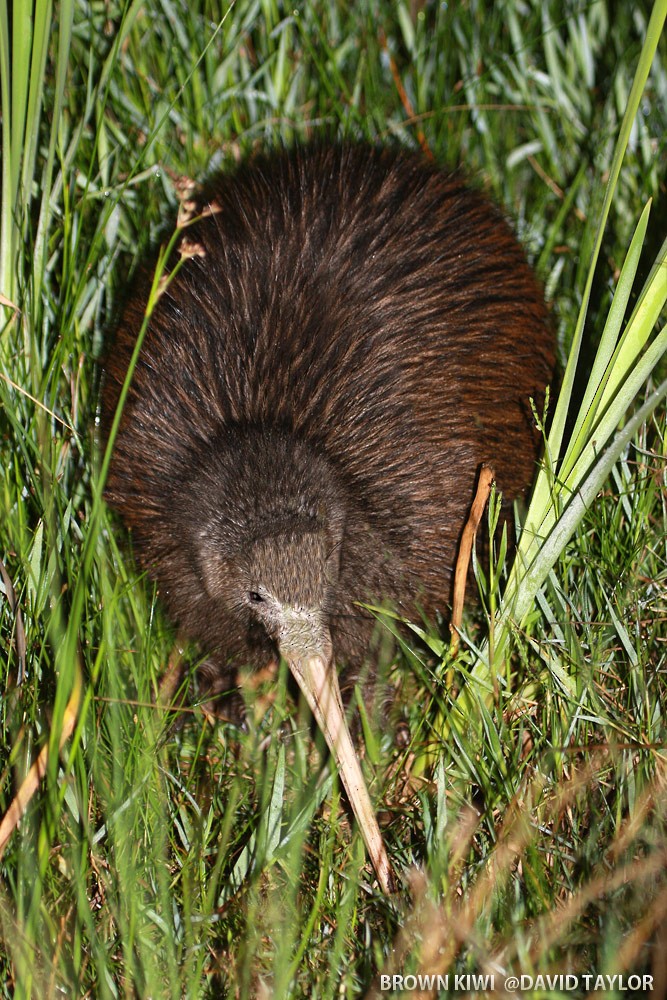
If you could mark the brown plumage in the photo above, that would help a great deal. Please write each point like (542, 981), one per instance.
(314, 396)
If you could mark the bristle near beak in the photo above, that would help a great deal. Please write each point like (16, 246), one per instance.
(317, 679)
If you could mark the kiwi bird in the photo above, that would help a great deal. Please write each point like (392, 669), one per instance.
(355, 332)
(349, 334)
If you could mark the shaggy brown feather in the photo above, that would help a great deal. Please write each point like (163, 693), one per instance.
(315, 394)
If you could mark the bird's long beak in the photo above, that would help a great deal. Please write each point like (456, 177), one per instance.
(318, 680)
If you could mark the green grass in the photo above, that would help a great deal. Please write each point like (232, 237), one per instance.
(527, 815)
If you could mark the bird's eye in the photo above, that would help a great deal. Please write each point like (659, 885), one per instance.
(255, 597)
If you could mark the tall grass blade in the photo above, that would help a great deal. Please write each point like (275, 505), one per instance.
(556, 506)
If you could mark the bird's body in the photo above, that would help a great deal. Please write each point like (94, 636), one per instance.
(355, 333)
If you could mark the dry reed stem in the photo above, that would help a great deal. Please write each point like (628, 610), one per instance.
(486, 477)
(32, 780)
